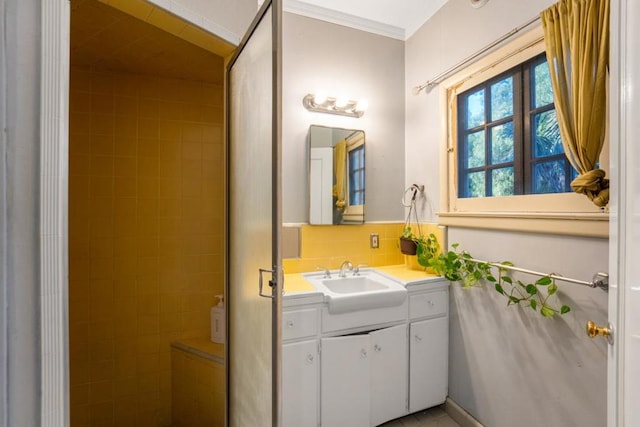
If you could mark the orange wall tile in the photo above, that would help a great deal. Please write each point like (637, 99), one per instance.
(145, 255)
(198, 390)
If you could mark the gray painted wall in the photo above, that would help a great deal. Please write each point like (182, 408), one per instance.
(19, 184)
(508, 367)
(456, 31)
(319, 56)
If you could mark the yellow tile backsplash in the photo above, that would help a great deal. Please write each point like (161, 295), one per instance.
(329, 246)
(145, 237)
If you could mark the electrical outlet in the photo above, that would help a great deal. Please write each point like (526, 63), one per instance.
(374, 240)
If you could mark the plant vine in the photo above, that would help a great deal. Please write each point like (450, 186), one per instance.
(459, 266)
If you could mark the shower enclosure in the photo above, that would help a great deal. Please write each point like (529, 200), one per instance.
(254, 273)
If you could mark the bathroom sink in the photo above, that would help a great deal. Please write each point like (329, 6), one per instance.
(366, 290)
(355, 284)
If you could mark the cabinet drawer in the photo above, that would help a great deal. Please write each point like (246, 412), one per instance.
(429, 304)
(299, 324)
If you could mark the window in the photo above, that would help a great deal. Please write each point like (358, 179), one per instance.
(356, 176)
(503, 160)
(509, 140)
(355, 179)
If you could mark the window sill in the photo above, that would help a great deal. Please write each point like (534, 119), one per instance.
(572, 224)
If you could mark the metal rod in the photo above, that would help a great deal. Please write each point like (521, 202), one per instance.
(600, 280)
(429, 84)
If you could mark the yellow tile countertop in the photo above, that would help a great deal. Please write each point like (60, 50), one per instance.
(406, 275)
(295, 283)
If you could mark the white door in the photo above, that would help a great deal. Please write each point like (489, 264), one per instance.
(253, 224)
(428, 361)
(624, 247)
(389, 374)
(300, 386)
(321, 187)
(345, 381)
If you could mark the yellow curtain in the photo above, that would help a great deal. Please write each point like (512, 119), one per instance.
(340, 168)
(576, 34)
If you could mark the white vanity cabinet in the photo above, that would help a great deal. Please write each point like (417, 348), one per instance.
(364, 379)
(389, 374)
(345, 381)
(364, 368)
(301, 366)
(300, 384)
(428, 348)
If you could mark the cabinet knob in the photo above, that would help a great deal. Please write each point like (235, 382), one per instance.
(363, 353)
(431, 303)
(377, 348)
(418, 338)
(309, 358)
(290, 323)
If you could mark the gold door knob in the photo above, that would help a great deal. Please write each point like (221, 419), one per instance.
(594, 330)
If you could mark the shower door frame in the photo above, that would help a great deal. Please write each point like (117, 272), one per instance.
(276, 281)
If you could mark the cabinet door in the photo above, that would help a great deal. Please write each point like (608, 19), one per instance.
(428, 363)
(300, 388)
(389, 376)
(345, 381)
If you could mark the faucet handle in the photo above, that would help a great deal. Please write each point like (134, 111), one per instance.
(356, 271)
(327, 273)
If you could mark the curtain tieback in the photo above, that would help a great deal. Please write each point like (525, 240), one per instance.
(594, 185)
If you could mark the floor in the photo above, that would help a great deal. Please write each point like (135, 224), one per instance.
(434, 417)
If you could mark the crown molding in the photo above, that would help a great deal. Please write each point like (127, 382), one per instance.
(312, 11)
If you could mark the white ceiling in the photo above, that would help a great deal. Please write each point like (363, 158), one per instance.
(393, 18)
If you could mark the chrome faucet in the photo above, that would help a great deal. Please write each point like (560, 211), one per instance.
(345, 266)
(327, 273)
(356, 270)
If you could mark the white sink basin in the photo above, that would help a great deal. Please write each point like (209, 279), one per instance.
(368, 290)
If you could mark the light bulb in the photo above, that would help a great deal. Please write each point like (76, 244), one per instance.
(341, 102)
(319, 98)
(362, 105)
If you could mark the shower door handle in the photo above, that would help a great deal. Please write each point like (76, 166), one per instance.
(272, 283)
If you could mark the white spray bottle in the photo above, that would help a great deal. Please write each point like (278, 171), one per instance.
(217, 321)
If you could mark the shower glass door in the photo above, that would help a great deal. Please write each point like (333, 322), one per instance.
(254, 275)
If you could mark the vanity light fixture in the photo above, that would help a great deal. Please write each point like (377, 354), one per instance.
(476, 4)
(342, 106)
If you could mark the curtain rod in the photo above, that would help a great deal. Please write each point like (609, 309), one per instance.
(430, 84)
(600, 280)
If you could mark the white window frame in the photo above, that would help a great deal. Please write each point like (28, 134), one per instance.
(562, 213)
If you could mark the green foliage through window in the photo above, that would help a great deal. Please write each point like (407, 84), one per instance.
(508, 136)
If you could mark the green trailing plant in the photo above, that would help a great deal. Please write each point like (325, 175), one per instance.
(459, 266)
(426, 246)
(407, 233)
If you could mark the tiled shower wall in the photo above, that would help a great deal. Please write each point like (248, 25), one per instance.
(145, 237)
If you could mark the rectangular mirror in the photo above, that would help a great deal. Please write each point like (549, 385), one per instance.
(336, 175)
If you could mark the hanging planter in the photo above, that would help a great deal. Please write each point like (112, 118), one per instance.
(408, 240)
(408, 246)
(425, 247)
